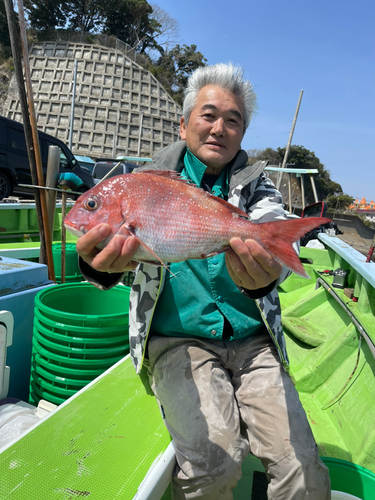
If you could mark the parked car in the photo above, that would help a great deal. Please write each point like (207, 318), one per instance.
(104, 165)
(14, 161)
(85, 161)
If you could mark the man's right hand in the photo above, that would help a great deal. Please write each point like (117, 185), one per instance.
(116, 257)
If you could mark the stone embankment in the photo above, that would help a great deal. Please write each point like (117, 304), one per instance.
(120, 108)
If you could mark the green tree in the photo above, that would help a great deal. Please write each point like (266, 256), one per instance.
(148, 30)
(339, 202)
(300, 157)
(85, 15)
(267, 154)
(46, 14)
(367, 222)
(5, 47)
(131, 21)
(173, 69)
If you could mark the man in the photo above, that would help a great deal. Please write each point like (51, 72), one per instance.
(210, 333)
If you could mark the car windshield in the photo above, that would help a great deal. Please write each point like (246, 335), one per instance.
(101, 169)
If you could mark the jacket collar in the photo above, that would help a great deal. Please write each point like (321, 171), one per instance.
(172, 158)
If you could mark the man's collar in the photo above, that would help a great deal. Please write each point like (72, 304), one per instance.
(172, 158)
(195, 171)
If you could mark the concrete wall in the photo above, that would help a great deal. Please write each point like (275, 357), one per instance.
(114, 96)
(351, 224)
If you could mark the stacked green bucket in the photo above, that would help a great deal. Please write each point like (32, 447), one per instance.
(72, 272)
(79, 332)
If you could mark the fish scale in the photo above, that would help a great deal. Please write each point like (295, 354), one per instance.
(174, 229)
(169, 222)
(173, 220)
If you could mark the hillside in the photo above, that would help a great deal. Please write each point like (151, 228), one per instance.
(6, 73)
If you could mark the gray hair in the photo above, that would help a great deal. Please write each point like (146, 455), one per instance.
(227, 76)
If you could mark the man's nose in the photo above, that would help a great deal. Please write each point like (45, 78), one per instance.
(218, 127)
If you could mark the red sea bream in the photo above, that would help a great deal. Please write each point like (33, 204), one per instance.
(175, 221)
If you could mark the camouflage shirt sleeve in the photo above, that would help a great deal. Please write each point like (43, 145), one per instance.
(265, 203)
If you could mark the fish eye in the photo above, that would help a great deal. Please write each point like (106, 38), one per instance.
(91, 204)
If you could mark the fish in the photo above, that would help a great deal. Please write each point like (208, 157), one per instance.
(174, 220)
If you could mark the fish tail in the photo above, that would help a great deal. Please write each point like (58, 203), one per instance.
(278, 238)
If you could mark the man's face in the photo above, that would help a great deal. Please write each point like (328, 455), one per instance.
(215, 128)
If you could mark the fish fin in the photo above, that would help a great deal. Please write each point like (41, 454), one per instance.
(237, 212)
(130, 229)
(168, 174)
(279, 236)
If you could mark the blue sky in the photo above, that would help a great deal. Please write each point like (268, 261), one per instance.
(325, 47)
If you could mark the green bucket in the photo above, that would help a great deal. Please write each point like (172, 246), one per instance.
(37, 393)
(72, 271)
(64, 371)
(66, 330)
(58, 379)
(79, 332)
(81, 353)
(82, 304)
(350, 481)
(71, 362)
(76, 341)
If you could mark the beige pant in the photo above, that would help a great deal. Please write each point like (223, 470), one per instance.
(222, 400)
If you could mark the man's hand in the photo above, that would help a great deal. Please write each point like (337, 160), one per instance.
(116, 257)
(250, 266)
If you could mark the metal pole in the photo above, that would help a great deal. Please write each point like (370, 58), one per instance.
(290, 193)
(73, 105)
(52, 175)
(314, 188)
(114, 145)
(303, 191)
(115, 134)
(140, 134)
(294, 209)
(289, 140)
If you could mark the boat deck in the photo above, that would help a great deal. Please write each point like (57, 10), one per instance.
(94, 445)
(333, 368)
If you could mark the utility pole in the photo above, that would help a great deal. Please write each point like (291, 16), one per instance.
(73, 105)
(140, 136)
(280, 177)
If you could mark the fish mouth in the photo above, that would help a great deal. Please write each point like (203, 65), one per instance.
(73, 230)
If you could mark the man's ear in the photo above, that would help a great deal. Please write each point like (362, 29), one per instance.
(182, 128)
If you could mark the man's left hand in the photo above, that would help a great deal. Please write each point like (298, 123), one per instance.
(250, 266)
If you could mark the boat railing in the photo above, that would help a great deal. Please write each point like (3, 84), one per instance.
(361, 278)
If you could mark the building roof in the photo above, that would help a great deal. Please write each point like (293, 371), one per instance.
(363, 205)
